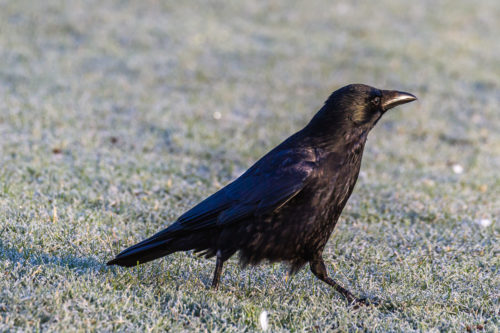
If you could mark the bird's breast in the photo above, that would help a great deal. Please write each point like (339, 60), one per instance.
(338, 177)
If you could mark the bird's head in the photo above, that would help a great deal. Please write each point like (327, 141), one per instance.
(357, 106)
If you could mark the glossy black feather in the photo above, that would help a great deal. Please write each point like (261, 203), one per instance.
(285, 207)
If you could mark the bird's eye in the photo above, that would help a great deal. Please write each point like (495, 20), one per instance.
(376, 100)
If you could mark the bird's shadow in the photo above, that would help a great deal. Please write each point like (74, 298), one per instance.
(33, 257)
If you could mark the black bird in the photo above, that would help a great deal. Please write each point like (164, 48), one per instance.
(285, 206)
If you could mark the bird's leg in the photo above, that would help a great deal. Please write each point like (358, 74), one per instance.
(218, 271)
(318, 268)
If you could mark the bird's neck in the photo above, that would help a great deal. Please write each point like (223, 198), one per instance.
(355, 140)
(350, 140)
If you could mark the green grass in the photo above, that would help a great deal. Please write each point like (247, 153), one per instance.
(107, 134)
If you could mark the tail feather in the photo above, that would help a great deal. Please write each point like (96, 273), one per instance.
(164, 243)
(145, 251)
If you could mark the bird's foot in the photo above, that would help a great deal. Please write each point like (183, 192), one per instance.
(364, 301)
(375, 302)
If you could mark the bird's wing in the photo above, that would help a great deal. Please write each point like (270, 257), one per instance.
(264, 188)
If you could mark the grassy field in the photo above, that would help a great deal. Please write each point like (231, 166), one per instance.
(117, 116)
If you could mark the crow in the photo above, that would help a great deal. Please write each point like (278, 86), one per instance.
(284, 207)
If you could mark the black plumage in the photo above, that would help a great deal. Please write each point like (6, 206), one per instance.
(285, 207)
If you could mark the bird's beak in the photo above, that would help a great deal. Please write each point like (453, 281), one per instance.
(392, 98)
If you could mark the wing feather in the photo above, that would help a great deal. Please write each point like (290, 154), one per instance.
(264, 188)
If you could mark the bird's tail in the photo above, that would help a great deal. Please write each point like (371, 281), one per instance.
(147, 250)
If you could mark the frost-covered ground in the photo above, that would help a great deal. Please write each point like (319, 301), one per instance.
(117, 116)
